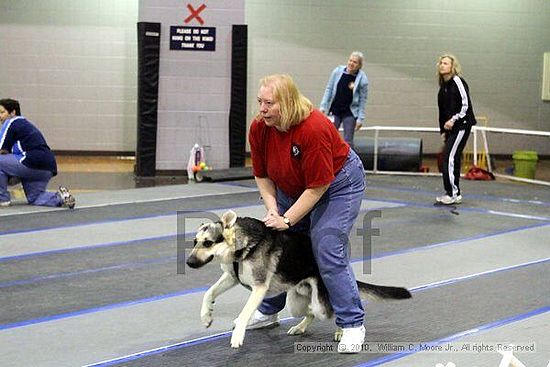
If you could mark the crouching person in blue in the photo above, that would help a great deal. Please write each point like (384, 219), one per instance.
(25, 155)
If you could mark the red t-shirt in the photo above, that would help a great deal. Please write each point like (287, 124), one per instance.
(308, 155)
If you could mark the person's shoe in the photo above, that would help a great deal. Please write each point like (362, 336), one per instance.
(68, 200)
(352, 340)
(449, 200)
(5, 203)
(261, 321)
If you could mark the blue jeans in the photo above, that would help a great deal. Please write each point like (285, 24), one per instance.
(34, 182)
(329, 224)
(349, 123)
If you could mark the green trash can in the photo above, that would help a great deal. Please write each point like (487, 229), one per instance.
(525, 163)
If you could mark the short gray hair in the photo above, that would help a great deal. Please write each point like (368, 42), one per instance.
(359, 55)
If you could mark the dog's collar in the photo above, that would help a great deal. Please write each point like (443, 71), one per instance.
(236, 271)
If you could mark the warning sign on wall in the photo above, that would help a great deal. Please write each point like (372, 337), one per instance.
(192, 38)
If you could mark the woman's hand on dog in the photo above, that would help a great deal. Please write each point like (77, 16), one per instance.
(273, 220)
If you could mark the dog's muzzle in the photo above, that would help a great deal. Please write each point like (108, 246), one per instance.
(195, 262)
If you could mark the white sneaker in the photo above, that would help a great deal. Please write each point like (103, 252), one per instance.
(68, 199)
(449, 200)
(261, 321)
(5, 203)
(352, 339)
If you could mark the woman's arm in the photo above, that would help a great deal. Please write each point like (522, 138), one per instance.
(363, 90)
(298, 210)
(327, 97)
(268, 192)
(460, 100)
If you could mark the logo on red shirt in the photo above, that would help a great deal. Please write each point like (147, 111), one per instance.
(295, 151)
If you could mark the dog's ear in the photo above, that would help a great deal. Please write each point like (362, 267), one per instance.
(229, 218)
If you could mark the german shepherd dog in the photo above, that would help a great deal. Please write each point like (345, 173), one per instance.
(268, 262)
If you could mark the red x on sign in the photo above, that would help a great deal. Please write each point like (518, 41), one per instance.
(195, 13)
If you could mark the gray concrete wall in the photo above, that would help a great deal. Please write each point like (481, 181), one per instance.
(73, 65)
(500, 44)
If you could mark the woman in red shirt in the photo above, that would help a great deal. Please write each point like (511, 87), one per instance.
(310, 181)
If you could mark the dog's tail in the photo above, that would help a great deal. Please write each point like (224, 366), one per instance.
(382, 292)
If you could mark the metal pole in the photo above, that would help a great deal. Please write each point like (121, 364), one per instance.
(486, 147)
(375, 163)
(475, 147)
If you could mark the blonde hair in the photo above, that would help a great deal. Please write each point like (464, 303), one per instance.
(294, 106)
(456, 69)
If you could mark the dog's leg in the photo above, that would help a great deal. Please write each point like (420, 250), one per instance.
(302, 326)
(299, 303)
(256, 297)
(225, 282)
(338, 334)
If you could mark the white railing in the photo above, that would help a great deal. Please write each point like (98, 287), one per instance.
(475, 129)
(483, 131)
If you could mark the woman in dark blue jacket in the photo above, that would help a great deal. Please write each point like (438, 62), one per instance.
(456, 118)
(25, 155)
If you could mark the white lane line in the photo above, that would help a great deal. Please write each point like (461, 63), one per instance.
(514, 215)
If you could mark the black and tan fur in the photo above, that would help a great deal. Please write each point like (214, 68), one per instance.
(269, 262)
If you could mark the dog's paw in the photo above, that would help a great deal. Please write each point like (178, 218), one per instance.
(296, 330)
(237, 337)
(206, 313)
(338, 334)
(206, 317)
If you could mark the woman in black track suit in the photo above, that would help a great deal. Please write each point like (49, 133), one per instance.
(456, 118)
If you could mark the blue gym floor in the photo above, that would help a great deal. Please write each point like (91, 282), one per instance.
(99, 286)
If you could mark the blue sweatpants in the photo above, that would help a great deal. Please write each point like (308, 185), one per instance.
(34, 182)
(349, 123)
(329, 224)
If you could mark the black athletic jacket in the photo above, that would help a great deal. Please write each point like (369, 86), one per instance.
(454, 103)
